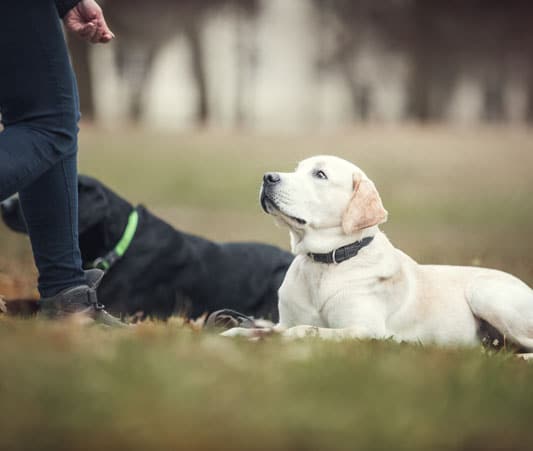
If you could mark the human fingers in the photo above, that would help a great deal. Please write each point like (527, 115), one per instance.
(101, 36)
(88, 31)
(105, 33)
(106, 38)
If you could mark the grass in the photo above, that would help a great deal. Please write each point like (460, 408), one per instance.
(460, 196)
(166, 387)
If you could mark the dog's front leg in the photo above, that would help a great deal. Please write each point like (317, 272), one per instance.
(253, 333)
(348, 333)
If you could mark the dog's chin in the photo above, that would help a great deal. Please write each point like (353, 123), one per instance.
(270, 207)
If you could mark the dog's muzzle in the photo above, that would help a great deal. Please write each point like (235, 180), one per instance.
(9, 205)
(266, 201)
(270, 180)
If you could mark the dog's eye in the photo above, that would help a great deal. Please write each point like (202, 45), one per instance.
(321, 175)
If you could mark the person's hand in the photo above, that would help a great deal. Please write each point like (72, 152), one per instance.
(87, 21)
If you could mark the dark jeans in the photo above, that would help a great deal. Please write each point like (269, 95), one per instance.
(38, 147)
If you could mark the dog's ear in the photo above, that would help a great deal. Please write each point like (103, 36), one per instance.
(93, 202)
(12, 215)
(365, 208)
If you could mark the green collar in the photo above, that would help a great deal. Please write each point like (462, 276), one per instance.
(106, 262)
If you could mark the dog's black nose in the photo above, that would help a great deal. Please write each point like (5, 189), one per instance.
(271, 178)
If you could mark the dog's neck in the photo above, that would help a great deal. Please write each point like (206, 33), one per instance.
(115, 224)
(321, 241)
(104, 236)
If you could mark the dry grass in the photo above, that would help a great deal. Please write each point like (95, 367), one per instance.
(458, 196)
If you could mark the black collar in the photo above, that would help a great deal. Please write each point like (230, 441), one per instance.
(342, 253)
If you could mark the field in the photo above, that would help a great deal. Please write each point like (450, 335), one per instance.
(458, 196)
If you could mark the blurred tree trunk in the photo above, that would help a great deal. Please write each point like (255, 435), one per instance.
(194, 37)
(529, 112)
(246, 13)
(494, 81)
(346, 59)
(526, 44)
(493, 106)
(421, 48)
(360, 94)
(79, 51)
(240, 78)
(139, 84)
(134, 63)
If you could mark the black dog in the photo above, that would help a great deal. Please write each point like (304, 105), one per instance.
(164, 271)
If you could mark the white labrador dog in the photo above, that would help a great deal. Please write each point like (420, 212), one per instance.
(349, 281)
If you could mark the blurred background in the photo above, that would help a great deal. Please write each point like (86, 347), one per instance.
(184, 112)
(195, 100)
(278, 64)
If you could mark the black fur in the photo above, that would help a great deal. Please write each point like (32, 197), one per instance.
(166, 271)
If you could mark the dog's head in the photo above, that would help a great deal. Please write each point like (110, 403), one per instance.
(97, 205)
(325, 195)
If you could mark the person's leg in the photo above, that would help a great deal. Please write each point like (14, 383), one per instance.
(50, 209)
(38, 102)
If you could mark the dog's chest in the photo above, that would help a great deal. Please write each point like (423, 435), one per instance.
(330, 286)
(327, 295)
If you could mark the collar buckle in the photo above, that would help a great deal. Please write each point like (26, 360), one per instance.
(333, 256)
(100, 263)
(340, 254)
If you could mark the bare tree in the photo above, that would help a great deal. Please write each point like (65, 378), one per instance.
(345, 28)
(246, 13)
(143, 28)
(443, 41)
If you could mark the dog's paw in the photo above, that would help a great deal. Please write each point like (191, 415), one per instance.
(525, 356)
(301, 332)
